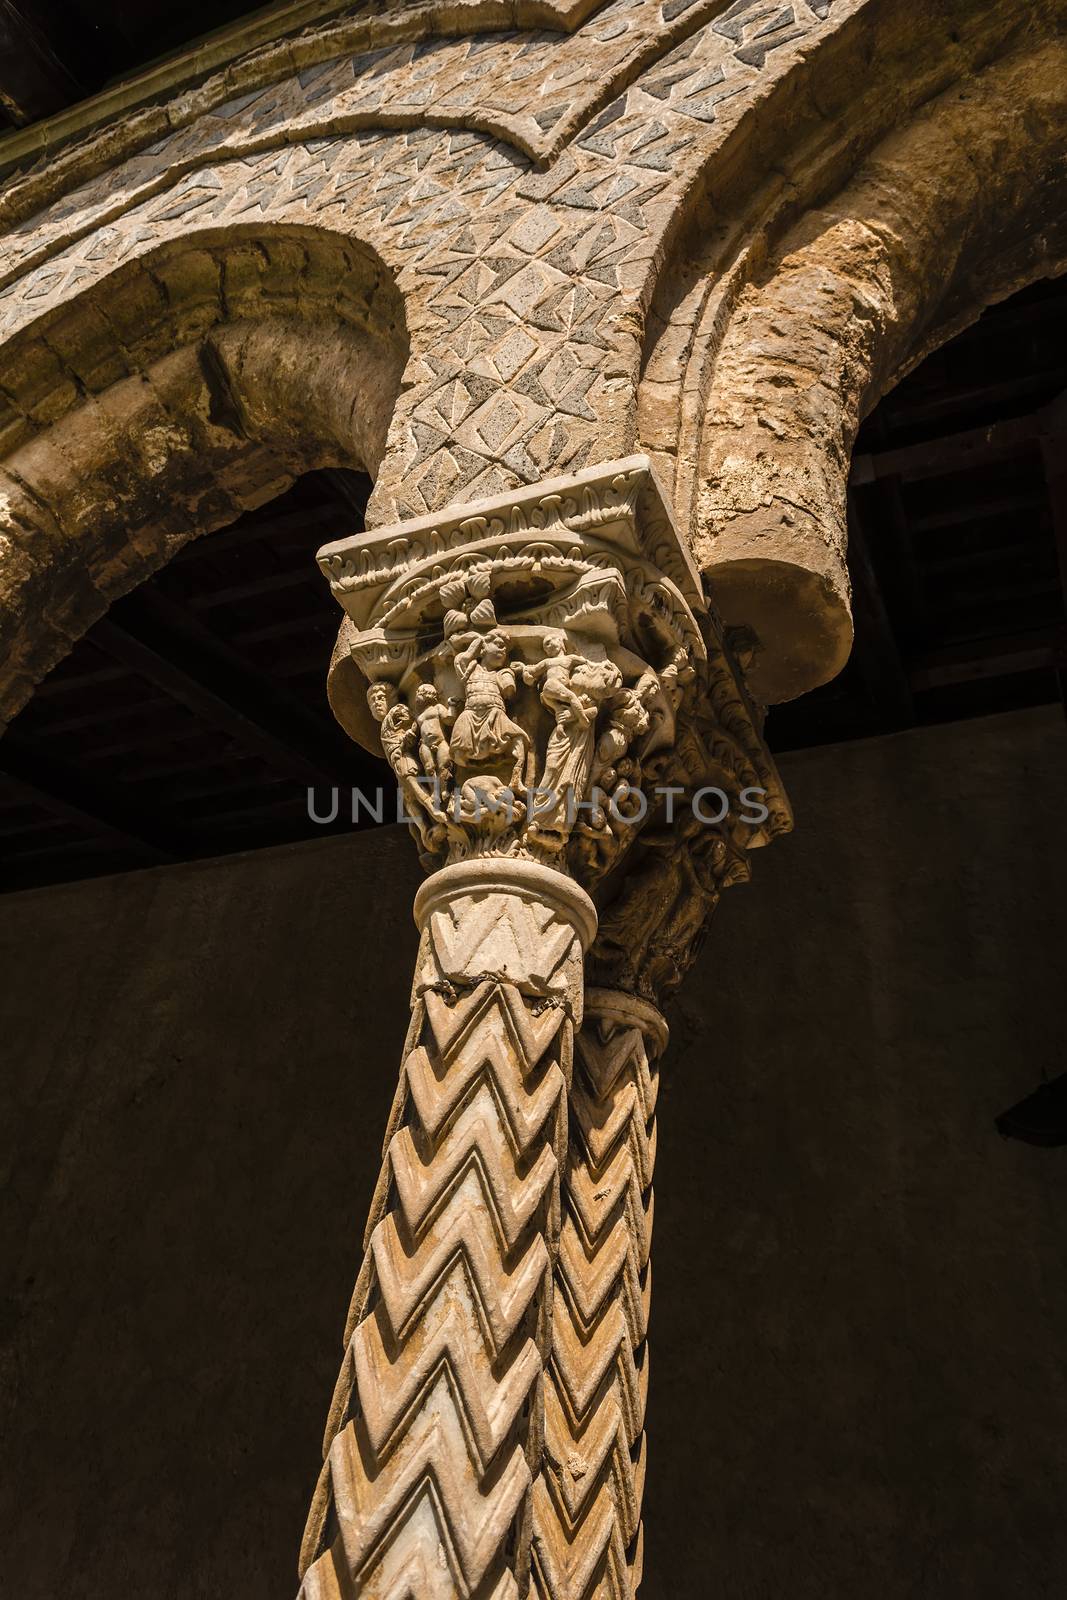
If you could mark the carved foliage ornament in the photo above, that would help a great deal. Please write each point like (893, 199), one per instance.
(534, 664)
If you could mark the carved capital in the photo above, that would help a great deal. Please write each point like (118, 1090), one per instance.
(536, 667)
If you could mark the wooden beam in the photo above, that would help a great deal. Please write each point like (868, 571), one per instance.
(908, 591)
(958, 452)
(1052, 453)
(1021, 392)
(953, 452)
(1009, 503)
(249, 588)
(319, 523)
(1041, 649)
(162, 641)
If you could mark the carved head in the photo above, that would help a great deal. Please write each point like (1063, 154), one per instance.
(380, 696)
(425, 695)
(630, 716)
(495, 650)
(555, 642)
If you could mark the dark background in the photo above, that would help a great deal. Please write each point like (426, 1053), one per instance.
(860, 1295)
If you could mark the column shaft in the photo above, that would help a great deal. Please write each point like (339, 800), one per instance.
(435, 1433)
(587, 1502)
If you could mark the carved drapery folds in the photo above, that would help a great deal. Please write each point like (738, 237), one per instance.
(553, 695)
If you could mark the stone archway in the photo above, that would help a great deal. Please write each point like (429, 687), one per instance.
(486, 1435)
(810, 323)
(182, 389)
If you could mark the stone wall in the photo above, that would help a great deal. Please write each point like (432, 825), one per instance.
(860, 1302)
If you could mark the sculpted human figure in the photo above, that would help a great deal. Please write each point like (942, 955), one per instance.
(676, 676)
(557, 669)
(630, 922)
(573, 689)
(627, 722)
(700, 859)
(399, 734)
(432, 715)
(653, 930)
(484, 732)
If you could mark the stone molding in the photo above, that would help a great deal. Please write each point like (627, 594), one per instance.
(472, 932)
(275, 41)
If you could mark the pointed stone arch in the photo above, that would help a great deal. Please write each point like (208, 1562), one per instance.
(180, 390)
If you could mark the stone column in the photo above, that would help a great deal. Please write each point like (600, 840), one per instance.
(535, 669)
(587, 1505)
(587, 1501)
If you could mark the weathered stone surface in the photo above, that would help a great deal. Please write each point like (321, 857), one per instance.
(856, 291)
(532, 295)
(479, 251)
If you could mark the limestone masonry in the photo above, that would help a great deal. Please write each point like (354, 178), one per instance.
(598, 295)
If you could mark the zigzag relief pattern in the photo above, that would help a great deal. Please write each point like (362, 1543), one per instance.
(587, 1501)
(436, 1429)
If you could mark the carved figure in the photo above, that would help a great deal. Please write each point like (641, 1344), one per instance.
(399, 734)
(573, 689)
(676, 676)
(484, 733)
(432, 716)
(701, 856)
(556, 669)
(650, 935)
(627, 722)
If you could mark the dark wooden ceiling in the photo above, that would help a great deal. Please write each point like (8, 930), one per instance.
(192, 720)
(54, 53)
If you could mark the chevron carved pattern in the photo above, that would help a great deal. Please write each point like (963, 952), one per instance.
(587, 1501)
(436, 1430)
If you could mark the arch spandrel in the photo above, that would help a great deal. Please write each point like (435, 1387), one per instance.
(525, 290)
